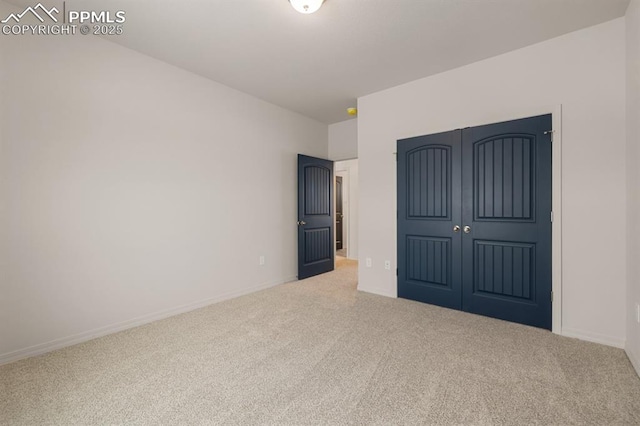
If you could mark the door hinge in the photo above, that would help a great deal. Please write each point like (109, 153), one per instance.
(396, 272)
(552, 217)
(396, 154)
(552, 296)
(550, 132)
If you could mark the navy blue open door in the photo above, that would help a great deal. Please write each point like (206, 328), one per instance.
(316, 245)
(499, 233)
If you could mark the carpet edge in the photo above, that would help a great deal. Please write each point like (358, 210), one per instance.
(63, 342)
(635, 362)
(593, 337)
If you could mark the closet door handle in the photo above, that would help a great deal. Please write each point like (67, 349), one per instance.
(456, 228)
(467, 229)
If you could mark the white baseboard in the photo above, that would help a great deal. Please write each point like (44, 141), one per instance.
(63, 342)
(635, 360)
(377, 291)
(593, 337)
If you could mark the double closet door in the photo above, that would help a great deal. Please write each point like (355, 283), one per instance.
(474, 220)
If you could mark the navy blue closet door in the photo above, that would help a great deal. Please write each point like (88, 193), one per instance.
(474, 220)
(507, 207)
(429, 194)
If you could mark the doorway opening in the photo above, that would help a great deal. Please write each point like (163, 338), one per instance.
(346, 217)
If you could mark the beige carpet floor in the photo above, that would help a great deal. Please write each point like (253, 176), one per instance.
(319, 352)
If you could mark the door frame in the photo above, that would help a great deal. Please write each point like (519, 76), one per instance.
(344, 174)
(556, 192)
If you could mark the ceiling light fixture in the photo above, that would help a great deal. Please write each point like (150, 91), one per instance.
(306, 6)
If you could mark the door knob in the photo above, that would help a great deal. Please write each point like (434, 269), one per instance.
(301, 222)
(467, 229)
(456, 228)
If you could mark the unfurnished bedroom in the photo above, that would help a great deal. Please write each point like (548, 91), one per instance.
(301, 212)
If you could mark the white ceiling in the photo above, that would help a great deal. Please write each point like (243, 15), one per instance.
(319, 64)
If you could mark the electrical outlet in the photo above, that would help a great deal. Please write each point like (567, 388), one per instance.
(387, 265)
(261, 260)
(368, 262)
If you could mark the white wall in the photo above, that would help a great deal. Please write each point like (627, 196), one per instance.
(3, 203)
(633, 180)
(133, 190)
(348, 169)
(585, 72)
(343, 140)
